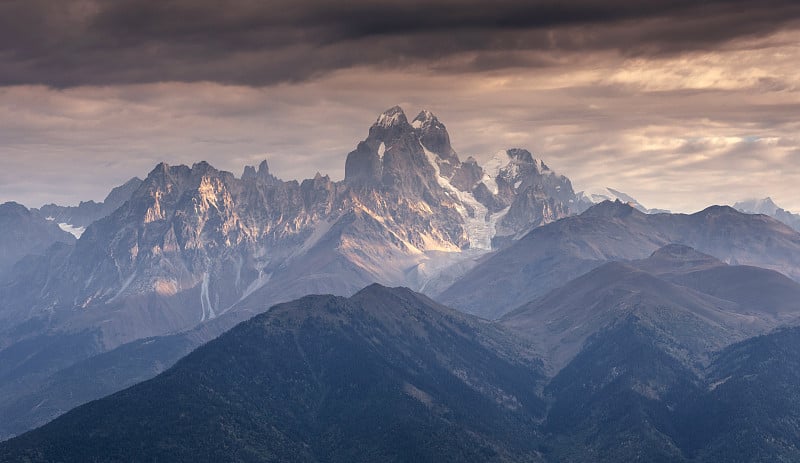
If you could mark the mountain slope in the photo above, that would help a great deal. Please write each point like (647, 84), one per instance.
(624, 399)
(553, 254)
(77, 218)
(23, 233)
(750, 407)
(614, 401)
(386, 374)
(390, 375)
(692, 303)
(89, 379)
(691, 324)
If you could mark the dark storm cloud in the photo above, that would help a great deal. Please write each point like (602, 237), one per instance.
(97, 42)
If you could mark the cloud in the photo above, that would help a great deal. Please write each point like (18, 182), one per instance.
(659, 129)
(245, 42)
(679, 103)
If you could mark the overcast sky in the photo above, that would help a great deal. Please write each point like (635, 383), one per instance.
(679, 103)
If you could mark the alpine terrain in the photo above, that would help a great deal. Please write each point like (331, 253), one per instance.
(195, 250)
(423, 308)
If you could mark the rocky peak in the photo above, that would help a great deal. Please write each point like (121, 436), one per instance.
(757, 206)
(249, 173)
(676, 257)
(13, 209)
(425, 119)
(719, 211)
(117, 196)
(390, 132)
(262, 175)
(392, 157)
(25, 232)
(467, 176)
(164, 174)
(681, 254)
(390, 126)
(392, 117)
(768, 207)
(611, 209)
(520, 155)
(678, 251)
(434, 137)
(510, 171)
(164, 188)
(203, 168)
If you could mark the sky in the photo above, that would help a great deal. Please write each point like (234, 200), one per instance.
(679, 103)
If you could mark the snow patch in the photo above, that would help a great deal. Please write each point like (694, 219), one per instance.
(386, 120)
(418, 394)
(480, 227)
(381, 150)
(205, 300)
(69, 228)
(716, 384)
(491, 170)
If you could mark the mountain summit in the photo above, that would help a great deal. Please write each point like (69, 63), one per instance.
(501, 202)
(768, 207)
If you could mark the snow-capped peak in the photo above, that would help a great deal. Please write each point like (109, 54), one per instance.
(506, 164)
(392, 117)
(757, 206)
(598, 195)
(424, 119)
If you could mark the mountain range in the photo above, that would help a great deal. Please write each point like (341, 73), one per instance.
(610, 194)
(695, 305)
(192, 242)
(551, 255)
(391, 375)
(535, 323)
(197, 250)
